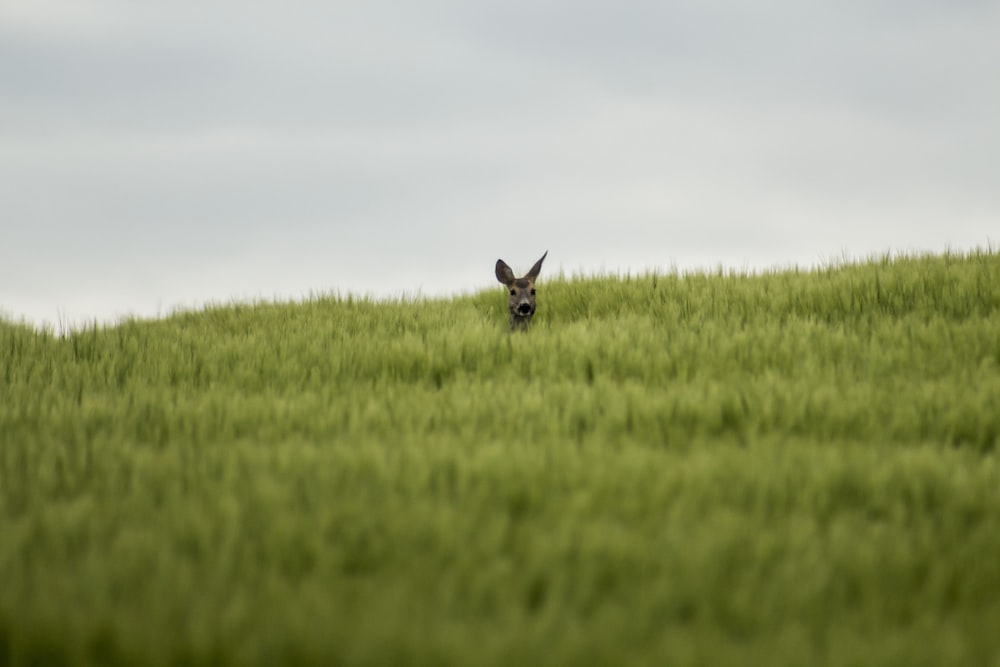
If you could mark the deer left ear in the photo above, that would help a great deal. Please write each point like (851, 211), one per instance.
(537, 268)
(504, 273)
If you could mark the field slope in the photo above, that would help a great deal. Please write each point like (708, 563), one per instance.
(792, 468)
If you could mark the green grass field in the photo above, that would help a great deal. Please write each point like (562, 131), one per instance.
(795, 468)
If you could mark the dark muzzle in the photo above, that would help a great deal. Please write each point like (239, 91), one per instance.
(524, 309)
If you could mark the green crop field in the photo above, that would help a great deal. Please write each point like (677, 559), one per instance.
(793, 468)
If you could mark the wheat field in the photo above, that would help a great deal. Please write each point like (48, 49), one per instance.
(795, 467)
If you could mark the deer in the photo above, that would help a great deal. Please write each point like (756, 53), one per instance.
(522, 293)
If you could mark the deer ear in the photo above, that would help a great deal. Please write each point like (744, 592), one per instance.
(504, 273)
(537, 268)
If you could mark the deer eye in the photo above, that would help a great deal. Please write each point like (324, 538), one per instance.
(532, 291)
(513, 292)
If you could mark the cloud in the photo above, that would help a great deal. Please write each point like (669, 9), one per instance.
(177, 152)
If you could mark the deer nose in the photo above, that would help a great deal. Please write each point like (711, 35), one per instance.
(524, 308)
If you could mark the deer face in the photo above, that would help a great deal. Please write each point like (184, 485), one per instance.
(522, 292)
(522, 298)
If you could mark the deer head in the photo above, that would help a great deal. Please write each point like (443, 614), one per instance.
(522, 292)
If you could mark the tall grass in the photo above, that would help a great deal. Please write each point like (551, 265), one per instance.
(788, 468)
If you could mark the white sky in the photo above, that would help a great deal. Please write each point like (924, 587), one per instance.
(158, 154)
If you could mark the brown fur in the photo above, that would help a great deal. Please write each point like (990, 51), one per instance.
(522, 303)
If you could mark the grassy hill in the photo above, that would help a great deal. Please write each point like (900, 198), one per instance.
(790, 468)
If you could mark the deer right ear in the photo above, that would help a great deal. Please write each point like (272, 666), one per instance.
(504, 273)
(537, 268)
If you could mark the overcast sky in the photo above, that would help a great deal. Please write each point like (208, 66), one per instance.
(156, 154)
